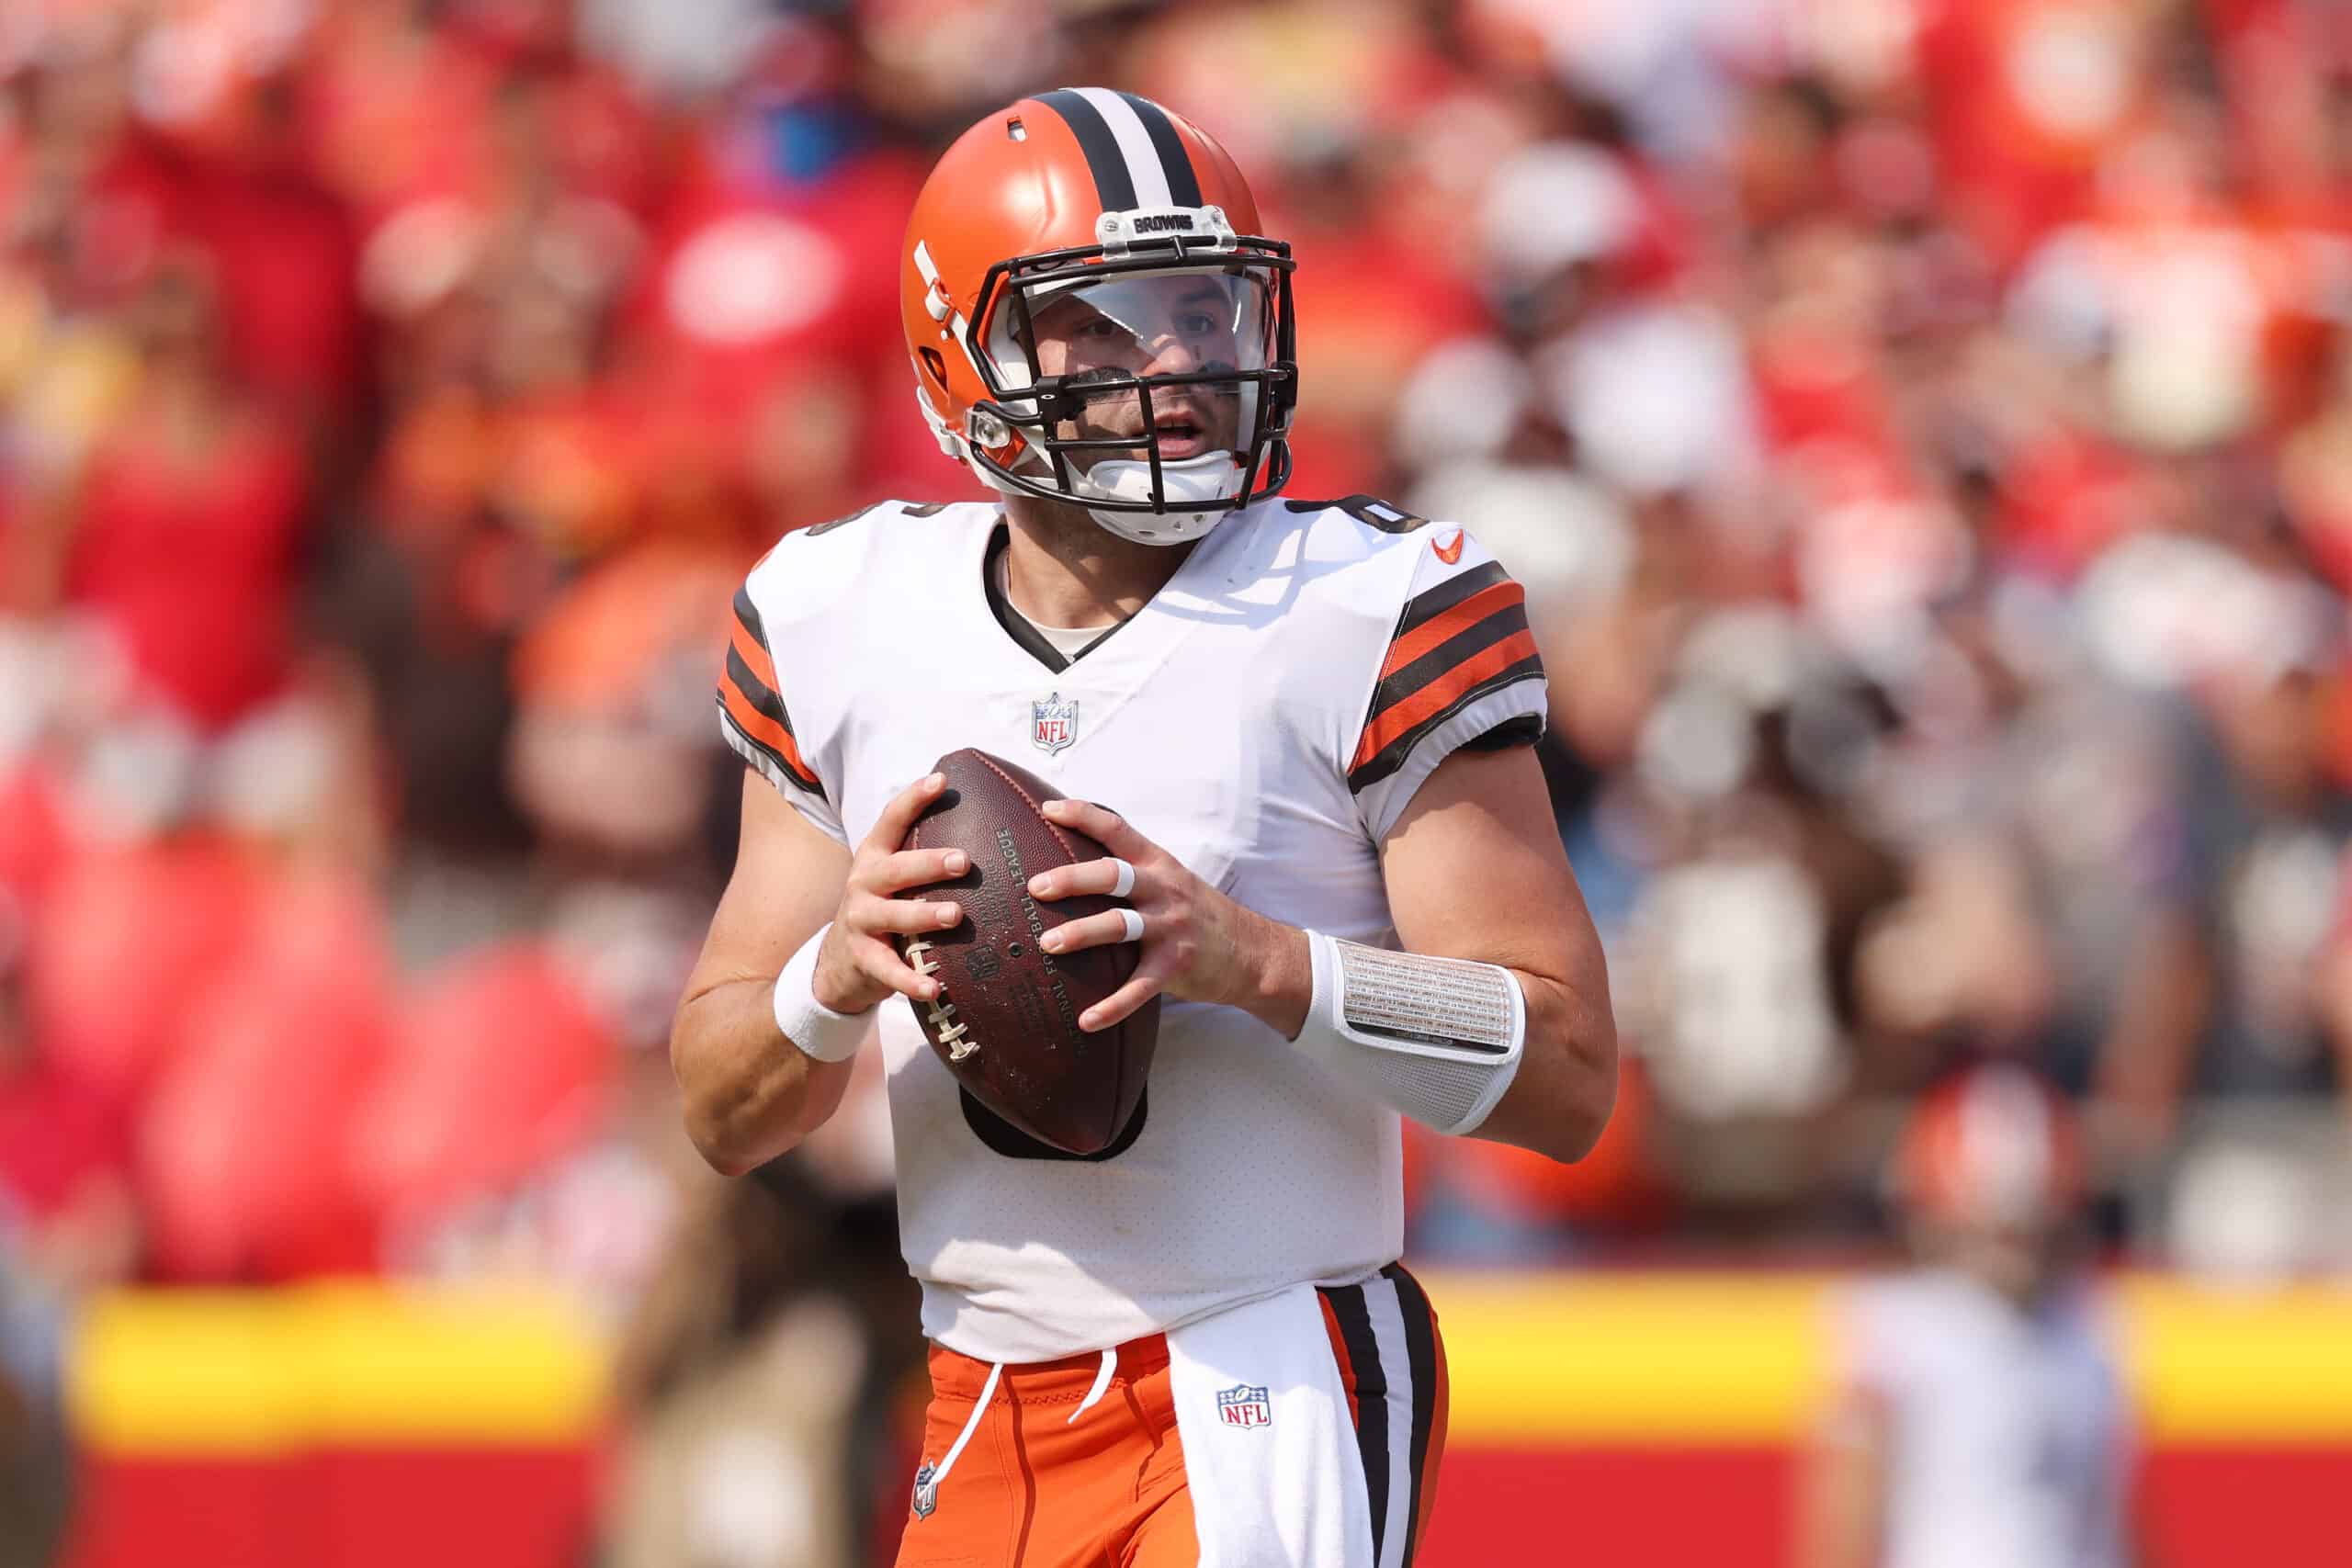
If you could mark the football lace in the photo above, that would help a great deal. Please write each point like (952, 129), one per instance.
(940, 1014)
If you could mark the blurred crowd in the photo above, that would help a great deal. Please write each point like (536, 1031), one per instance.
(1924, 428)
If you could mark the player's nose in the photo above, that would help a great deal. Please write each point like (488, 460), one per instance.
(1171, 355)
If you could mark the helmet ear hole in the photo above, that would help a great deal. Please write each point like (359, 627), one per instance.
(935, 366)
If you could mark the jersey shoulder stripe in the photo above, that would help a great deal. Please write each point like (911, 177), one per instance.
(1456, 642)
(1369, 510)
(752, 710)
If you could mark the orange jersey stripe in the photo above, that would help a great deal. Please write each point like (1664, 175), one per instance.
(1447, 623)
(1433, 698)
(754, 656)
(761, 727)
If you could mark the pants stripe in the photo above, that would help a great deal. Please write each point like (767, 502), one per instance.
(1350, 1310)
(1422, 1356)
(1386, 1310)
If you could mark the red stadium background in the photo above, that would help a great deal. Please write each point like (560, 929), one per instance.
(1923, 429)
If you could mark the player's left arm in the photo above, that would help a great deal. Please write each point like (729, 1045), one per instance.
(1474, 872)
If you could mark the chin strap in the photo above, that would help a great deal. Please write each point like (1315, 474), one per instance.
(1212, 476)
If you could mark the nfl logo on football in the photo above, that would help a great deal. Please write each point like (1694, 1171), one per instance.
(1053, 724)
(1244, 1406)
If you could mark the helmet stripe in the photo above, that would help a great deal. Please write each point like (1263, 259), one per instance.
(1136, 148)
(1114, 186)
(1175, 164)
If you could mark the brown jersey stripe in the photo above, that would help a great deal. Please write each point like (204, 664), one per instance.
(1436, 629)
(1430, 650)
(752, 697)
(1435, 695)
(745, 645)
(762, 696)
(768, 734)
(1401, 729)
(1445, 596)
(764, 758)
(747, 614)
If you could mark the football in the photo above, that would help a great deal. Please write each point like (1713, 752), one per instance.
(1006, 1023)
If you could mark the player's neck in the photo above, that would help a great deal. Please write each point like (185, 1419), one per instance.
(1063, 568)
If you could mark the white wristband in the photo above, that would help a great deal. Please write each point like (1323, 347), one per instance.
(1438, 1039)
(815, 1029)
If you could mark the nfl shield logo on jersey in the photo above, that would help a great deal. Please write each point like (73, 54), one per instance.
(1244, 1406)
(1053, 724)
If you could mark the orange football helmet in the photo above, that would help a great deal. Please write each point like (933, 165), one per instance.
(1134, 228)
(1994, 1147)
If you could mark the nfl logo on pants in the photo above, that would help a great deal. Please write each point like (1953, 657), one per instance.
(1244, 1406)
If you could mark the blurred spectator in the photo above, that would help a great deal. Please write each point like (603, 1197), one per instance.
(762, 1382)
(1981, 1414)
(67, 1215)
(36, 1482)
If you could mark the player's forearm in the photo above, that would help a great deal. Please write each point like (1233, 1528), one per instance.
(1567, 1085)
(750, 1094)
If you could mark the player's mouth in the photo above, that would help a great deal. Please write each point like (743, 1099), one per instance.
(1180, 436)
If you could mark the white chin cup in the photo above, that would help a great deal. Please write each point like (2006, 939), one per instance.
(1212, 476)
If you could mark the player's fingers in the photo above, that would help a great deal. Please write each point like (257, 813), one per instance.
(890, 828)
(1093, 930)
(1108, 875)
(904, 917)
(1141, 986)
(1101, 824)
(915, 868)
(879, 961)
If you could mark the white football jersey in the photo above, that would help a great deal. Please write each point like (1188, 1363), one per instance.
(1265, 718)
(2010, 1430)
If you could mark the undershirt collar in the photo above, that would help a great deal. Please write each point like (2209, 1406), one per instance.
(1054, 646)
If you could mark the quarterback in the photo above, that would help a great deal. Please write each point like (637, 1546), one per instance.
(1310, 722)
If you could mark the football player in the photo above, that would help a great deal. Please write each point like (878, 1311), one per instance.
(1311, 722)
(1980, 1414)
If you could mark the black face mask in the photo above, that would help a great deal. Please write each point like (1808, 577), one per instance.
(1038, 408)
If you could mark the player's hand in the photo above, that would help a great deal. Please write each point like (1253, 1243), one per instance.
(857, 966)
(1195, 943)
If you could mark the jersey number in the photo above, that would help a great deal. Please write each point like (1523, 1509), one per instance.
(928, 509)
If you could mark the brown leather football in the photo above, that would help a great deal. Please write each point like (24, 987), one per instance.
(1006, 1024)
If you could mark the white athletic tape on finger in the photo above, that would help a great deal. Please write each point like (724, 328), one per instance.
(1126, 883)
(1134, 922)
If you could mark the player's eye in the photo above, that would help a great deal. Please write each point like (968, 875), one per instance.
(1195, 323)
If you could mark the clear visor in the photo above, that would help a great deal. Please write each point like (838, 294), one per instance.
(1157, 323)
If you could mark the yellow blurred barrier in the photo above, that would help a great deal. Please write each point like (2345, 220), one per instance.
(1605, 1358)
(361, 1364)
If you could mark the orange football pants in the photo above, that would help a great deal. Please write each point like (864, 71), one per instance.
(1033, 1489)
